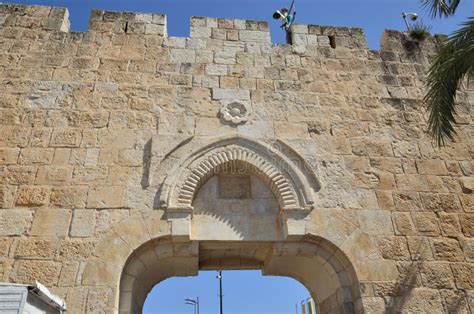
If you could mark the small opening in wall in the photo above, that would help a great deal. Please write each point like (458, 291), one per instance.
(332, 41)
(125, 27)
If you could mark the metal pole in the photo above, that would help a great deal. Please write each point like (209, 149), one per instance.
(220, 293)
(406, 22)
(197, 305)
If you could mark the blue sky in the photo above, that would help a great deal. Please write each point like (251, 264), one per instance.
(245, 292)
(372, 15)
(248, 291)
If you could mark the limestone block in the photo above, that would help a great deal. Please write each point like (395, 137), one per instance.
(76, 250)
(37, 248)
(107, 218)
(182, 55)
(437, 275)
(7, 196)
(32, 196)
(257, 129)
(418, 300)
(407, 201)
(156, 225)
(394, 248)
(455, 301)
(69, 197)
(374, 304)
(200, 32)
(100, 273)
(237, 94)
(463, 275)
(420, 248)
(467, 184)
(450, 225)
(54, 175)
(15, 222)
(9, 155)
(99, 299)
(83, 223)
(426, 223)
(132, 231)
(106, 197)
(257, 36)
(88, 175)
(216, 69)
(364, 146)
(67, 278)
(30, 156)
(467, 224)
(51, 222)
(436, 167)
(30, 271)
(375, 222)
(468, 249)
(446, 249)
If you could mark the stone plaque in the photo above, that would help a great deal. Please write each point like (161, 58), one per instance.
(234, 187)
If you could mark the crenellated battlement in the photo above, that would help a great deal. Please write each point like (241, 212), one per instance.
(34, 17)
(128, 156)
(50, 19)
(127, 22)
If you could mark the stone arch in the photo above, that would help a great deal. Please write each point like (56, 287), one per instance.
(289, 177)
(257, 165)
(195, 160)
(321, 267)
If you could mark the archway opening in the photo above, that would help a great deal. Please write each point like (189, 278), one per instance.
(323, 269)
(244, 291)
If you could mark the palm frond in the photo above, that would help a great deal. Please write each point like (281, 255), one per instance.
(453, 63)
(453, 5)
(438, 7)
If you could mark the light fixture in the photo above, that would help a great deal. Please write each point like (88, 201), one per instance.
(412, 16)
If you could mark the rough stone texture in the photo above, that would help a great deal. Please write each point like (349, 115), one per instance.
(96, 126)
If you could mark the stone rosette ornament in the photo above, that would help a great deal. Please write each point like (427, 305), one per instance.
(236, 112)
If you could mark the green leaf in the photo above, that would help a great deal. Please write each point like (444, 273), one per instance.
(454, 62)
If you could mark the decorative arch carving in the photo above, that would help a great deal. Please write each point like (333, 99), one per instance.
(257, 165)
(292, 182)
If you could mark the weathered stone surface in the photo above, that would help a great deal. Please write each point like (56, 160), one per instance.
(106, 197)
(69, 197)
(31, 271)
(394, 248)
(447, 249)
(463, 276)
(15, 222)
(51, 222)
(437, 275)
(100, 130)
(83, 223)
(32, 196)
(37, 249)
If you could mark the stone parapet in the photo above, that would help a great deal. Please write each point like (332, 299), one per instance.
(34, 17)
(127, 22)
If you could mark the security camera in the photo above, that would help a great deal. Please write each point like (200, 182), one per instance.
(412, 16)
(280, 14)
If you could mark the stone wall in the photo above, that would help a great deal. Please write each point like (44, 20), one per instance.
(87, 118)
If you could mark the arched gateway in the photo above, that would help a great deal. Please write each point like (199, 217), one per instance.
(236, 203)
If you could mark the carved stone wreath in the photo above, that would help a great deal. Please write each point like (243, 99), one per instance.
(236, 112)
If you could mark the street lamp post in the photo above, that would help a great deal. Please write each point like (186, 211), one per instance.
(411, 16)
(194, 303)
(219, 276)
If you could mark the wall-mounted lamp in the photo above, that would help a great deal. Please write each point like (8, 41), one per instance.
(412, 16)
